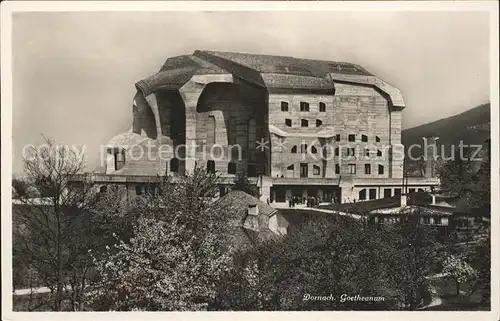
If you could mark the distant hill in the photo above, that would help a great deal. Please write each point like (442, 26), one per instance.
(471, 126)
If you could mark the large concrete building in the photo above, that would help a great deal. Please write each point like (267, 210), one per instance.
(301, 127)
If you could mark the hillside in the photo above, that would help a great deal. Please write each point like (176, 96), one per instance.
(472, 126)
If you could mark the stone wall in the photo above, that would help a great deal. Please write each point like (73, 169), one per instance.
(354, 109)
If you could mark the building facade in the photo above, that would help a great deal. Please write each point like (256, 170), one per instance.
(299, 127)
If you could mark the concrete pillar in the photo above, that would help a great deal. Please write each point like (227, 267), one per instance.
(190, 93)
(265, 184)
(153, 104)
(430, 155)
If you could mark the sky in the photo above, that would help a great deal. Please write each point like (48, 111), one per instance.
(74, 72)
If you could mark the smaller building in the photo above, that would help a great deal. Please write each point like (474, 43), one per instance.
(252, 220)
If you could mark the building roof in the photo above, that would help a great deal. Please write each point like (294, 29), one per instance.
(238, 202)
(274, 73)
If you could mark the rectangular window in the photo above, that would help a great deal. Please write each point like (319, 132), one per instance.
(288, 122)
(139, 189)
(322, 107)
(211, 130)
(304, 123)
(411, 190)
(373, 193)
(316, 170)
(367, 152)
(379, 153)
(364, 138)
(303, 148)
(397, 191)
(303, 170)
(352, 168)
(377, 139)
(252, 134)
(232, 131)
(368, 169)
(318, 122)
(336, 151)
(380, 169)
(362, 194)
(231, 168)
(304, 106)
(210, 166)
(352, 137)
(337, 169)
(351, 151)
(284, 106)
(387, 192)
(438, 221)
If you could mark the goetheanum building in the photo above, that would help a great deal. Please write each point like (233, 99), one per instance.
(300, 127)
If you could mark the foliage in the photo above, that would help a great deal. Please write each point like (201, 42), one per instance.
(176, 257)
(53, 235)
(20, 187)
(242, 183)
(459, 270)
(415, 254)
(329, 256)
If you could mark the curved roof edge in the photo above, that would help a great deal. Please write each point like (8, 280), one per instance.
(394, 93)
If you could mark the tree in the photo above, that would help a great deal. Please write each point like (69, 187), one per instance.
(414, 255)
(51, 235)
(177, 254)
(331, 255)
(459, 270)
(19, 187)
(242, 183)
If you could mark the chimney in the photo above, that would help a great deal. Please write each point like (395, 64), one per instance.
(430, 155)
(403, 200)
(252, 219)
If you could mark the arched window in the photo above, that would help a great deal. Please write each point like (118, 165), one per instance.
(379, 153)
(314, 150)
(210, 166)
(174, 165)
(211, 130)
(284, 106)
(337, 169)
(364, 138)
(322, 107)
(362, 194)
(231, 168)
(290, 167)
(252, 134)
(294, 150)
(316, 170)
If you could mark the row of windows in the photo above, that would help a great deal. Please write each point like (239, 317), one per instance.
(304, 106)
(351, 151)
(316, 169)
(350, 137)
(352, 169)
(303, 122)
